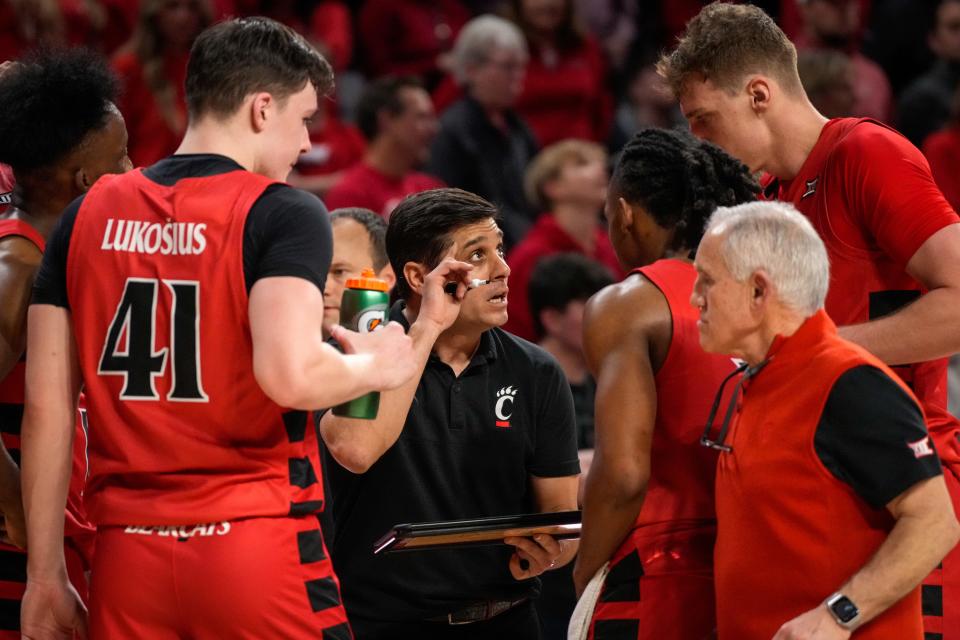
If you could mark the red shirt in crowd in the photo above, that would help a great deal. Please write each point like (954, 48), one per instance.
(6, 187)
(942, 150)
(405, 37)
(364, 186)
(335, 146)
(152, 136)
(546, 238)
(565, 94)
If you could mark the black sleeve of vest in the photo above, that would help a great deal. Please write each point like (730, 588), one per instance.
(872, 436)
(287, 233)
(555, 452)
(50, 287)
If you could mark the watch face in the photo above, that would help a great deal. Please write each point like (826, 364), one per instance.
(844, 609)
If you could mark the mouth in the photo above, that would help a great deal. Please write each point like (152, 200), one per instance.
(499, 297)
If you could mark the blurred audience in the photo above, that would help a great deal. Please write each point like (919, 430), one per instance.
(646, 103)
(153, 67)
(483, 146)
(325, 23)
(334, 147)
(924, 106)
(396, 117)
(359, 242)
(835, 24)
(29, 23)
(827, 77)
(410, 37)
(942, 149)
(568, 182)
(565, 93)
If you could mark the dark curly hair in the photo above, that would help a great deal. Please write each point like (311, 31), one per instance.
(50, 101)
(680, 180)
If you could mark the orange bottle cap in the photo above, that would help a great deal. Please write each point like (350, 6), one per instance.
(368, 280)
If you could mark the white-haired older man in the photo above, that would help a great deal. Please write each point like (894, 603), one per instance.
(831, 503)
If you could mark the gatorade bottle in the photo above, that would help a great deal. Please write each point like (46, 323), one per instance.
(363, 308)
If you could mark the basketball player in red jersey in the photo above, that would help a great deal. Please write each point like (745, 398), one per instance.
(892, 238)
(60, 132)
(648, 507)
(186, 297)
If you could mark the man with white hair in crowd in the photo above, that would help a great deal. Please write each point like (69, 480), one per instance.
(483, 146)
(831, 503)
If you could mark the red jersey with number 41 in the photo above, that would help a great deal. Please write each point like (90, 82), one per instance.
(870, 195)
(183, 433)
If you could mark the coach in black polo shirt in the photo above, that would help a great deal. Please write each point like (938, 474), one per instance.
(487, 430)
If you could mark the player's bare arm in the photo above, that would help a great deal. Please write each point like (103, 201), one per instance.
(297, 369)
(51, 606)
(926, 329)
(621, 325)
(926, 529)
(19, 261)
(542, 552)
(357, 444)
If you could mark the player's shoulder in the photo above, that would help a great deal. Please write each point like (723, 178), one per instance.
(866, 139)
(631, 305)
(19, 253)
(281, 198)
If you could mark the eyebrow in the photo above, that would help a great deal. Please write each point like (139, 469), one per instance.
(693, 114)
(478, 239)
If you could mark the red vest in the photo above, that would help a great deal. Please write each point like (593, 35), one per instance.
(182, 434)
(789, 532)
(864, 278)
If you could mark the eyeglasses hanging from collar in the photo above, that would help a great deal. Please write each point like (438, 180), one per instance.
(705, 440)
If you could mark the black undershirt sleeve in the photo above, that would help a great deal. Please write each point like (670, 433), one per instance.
(50, 286)
(287, 233)
(872, 436)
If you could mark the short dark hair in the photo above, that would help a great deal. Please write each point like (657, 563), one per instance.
(383, 93)
(680, 180)
(235, 58)
(725, 42)
(558, 280)
(50, 101)
(375, 226)
(420, 227)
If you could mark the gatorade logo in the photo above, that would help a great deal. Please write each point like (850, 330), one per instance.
(370, 320)
(505, 396)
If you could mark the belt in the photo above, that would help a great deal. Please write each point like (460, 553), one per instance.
(479, 612)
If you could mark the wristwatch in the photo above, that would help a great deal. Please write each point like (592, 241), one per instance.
(843, 610)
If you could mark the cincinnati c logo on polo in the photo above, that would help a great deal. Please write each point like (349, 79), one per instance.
(504, 407)
(921, 448)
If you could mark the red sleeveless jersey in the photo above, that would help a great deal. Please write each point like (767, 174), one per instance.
(790, 533)
(682, 473)
(182, 432)
(11, 415)
(870, 195)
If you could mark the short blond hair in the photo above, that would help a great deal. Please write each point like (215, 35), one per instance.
(549, 163)
(724, 43)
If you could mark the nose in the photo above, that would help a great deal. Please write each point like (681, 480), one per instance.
(501, 270)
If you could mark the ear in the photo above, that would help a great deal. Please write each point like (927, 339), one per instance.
(387, 275)
(261, 110)
(759, 90)
(415, 273)
(626, 213)
(82, 181)
(761, 290)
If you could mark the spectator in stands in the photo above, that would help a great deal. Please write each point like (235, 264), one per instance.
(396, 117)
(942, 150)
(153, 67)
(335, 145)
(559, 288)
(483, 146)
(29, 23)
(410, 37)
(835, 24)
(565, 93)
(647, 103)
(827, 77)
(925, 105)
(567, 181)
(359, 242)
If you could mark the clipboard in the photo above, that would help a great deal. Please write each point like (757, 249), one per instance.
(563, 525)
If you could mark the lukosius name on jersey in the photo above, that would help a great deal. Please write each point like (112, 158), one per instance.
(167, 238)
